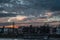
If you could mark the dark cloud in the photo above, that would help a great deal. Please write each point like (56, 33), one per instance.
(30, 7)
(7, 15)
(1, 9)
(4, 1)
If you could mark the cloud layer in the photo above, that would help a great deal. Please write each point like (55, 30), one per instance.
(30, 7)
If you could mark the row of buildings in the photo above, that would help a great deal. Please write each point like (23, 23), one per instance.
(45, 29)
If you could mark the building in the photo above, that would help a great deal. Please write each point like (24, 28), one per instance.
(58, 30)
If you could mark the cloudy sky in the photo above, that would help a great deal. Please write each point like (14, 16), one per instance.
(34, 8)
(29, 7)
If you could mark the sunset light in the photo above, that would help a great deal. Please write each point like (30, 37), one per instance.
(17, 18)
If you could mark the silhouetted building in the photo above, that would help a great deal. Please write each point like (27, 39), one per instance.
(3, 29)
(58, 30)
(44, 30)
(6, 30)
(54, 30)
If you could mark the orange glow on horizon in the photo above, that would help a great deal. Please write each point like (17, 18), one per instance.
(11, 26)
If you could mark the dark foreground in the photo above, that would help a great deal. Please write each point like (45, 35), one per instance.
(30, 37)
(31, 33)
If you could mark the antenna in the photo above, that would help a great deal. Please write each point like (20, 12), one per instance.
(13, 26)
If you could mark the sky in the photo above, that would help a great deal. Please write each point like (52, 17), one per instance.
(28, 8)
